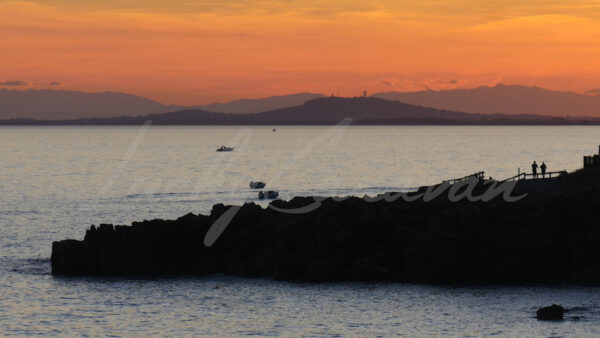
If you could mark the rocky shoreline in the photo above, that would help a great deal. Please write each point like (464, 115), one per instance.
(550, 236)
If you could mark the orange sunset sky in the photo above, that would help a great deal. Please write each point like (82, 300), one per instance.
(195, 52)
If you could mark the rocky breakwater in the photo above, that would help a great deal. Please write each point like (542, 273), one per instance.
(550, 236)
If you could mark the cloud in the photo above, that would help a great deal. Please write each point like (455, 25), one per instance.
(13, 83)
(593, 91)
(453, 81)
(416, 83)
(45, 84)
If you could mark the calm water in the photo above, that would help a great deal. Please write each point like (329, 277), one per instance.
(56, 181)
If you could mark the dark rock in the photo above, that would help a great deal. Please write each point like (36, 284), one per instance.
(105, 227)
(553, 312)
(68, 258)
(543, 238)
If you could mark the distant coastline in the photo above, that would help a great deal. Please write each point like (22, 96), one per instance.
(400, 122)
(323, 111)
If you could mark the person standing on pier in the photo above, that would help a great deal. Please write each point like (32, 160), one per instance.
(543, 167)
(534, 167)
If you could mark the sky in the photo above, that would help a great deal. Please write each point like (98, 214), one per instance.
(195, 52)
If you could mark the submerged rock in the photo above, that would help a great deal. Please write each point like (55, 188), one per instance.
(553, 312)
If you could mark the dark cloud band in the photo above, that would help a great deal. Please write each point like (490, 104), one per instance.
(13, 83)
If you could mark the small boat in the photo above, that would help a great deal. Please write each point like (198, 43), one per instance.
(224, 148)
(274, 129)
(269, 195)
(257, 185)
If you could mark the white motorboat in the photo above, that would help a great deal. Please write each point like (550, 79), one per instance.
(257, 185)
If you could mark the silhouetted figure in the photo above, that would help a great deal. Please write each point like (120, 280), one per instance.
(534, 167)
(543, 167)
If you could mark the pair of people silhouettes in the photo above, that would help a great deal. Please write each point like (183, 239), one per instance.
(534, 167)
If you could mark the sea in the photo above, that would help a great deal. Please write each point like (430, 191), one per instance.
(56, 181)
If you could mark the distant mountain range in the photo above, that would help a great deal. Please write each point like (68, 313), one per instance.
(66, 105)
(503, 99)
(326, 110)
(500, 99)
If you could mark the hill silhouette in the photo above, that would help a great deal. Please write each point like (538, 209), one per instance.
(505, 99)
(327, 110)
(245, 106)
(332, 109)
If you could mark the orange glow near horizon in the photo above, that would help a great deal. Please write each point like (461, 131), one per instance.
(196, 52)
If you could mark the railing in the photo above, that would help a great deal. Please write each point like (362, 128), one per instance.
(524, 176)
(479, 175)
(521, 176)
